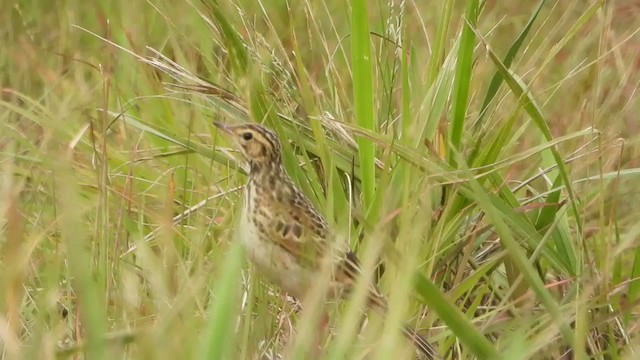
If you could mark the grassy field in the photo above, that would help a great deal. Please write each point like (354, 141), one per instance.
(481, 157)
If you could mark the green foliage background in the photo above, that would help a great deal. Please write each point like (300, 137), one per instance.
(481, 157)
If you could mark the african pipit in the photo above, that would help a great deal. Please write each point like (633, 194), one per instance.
(283, 233)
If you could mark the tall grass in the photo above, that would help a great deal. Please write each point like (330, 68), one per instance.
(479, 156)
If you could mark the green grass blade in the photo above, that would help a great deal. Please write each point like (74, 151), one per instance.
(462, 78)
(497, 79)
(218, 340)
(523, 95)
(573, 31)
(363, 96)
(455, 320)
(525, 268)
(439, 47)
(634, 286)
(233, 41)
(92, 308)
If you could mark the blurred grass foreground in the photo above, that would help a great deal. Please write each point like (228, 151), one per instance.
(481, 156)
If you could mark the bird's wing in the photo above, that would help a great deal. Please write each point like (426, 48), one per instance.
(300, 230)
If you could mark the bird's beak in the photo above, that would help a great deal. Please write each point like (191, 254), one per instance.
(222, 127)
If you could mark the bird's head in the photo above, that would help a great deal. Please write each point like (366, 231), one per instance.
(258, 144)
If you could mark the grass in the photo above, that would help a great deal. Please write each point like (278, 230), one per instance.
(481, 158)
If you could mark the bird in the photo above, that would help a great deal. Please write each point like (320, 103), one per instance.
(285, 236)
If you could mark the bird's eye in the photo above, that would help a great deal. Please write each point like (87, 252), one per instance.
(247, 136)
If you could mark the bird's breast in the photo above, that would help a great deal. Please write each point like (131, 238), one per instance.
(269, 258)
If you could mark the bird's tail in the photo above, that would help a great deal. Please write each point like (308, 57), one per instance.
(378, 303)
(420, 343)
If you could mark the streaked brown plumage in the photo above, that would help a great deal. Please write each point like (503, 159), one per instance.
(282, 232)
